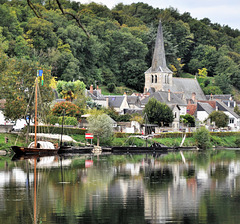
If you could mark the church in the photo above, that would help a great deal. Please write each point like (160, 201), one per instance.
(177, 93)
(160, 78)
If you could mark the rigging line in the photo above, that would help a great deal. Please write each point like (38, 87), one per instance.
(28, 105)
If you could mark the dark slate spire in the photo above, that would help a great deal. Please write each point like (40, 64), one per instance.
(159, 60)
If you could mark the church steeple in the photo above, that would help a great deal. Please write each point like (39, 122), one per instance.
(159, 60)
(158, 75)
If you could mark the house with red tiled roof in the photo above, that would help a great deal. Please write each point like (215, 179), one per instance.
(191, 109)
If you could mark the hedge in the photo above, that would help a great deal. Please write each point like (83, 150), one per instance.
(58, 130)
(177, 134)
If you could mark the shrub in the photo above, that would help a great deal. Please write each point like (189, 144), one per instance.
(202, 138)
(52, 119)
(237, 142)
(68, 121)
(111, 87)
(71, 109)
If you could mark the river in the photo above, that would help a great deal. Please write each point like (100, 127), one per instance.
(122, 189)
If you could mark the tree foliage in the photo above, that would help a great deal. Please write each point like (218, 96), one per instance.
(90, 42)
(202, 137)
(100, 125)
(158, 113)
(188, 119)
(71, 109)
(220, 118)
(70, 90)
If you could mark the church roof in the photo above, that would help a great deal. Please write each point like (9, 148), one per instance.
(187, 86)
(159, 60)
(162, 96)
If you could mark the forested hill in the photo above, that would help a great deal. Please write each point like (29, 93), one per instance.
(93, 43)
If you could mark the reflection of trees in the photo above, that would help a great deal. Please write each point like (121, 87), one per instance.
(132, 189)
(158, 178)
(220, 172)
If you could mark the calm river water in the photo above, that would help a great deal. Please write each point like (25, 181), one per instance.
(122, 189)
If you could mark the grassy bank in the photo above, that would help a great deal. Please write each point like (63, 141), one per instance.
(218, 141)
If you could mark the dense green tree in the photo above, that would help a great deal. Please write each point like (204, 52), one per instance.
(9, 22)
(223, 82)
(214, 90)
(158, 113)
(188, 120)
(220, 118)
(40, 34)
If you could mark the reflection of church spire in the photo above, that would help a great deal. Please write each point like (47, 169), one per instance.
(159, 60)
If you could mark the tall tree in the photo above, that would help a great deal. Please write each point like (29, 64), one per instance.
(158, 113)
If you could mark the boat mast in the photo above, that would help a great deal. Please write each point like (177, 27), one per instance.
(35, 120)
(62, 127)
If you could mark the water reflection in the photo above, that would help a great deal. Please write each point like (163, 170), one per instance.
(121, 189)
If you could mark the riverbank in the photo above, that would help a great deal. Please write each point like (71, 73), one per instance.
(230, 141)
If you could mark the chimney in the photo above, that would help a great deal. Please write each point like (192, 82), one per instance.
(91, 89)
(169, 95)
(211, 97)
(99, 90)
(107, 102)
(194, 97)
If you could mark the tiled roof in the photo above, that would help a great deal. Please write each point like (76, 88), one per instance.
(205, 107)
(219, 97)
(115, 101)
(191, 108)
(223, 107)
(212, 103)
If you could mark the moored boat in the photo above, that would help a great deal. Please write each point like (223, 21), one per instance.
(36, 147)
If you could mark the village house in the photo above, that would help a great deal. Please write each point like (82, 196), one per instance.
(204, 108)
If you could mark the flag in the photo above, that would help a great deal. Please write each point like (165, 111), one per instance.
(40, 74)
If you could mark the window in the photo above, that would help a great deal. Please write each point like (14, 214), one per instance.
(152, 78)
(155, 78)
(231, 120)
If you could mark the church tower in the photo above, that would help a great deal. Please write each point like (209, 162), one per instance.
(158, 75)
